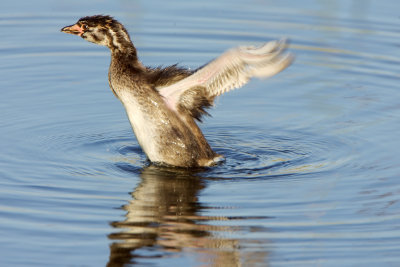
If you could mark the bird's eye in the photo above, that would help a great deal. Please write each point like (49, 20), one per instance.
(85, 27)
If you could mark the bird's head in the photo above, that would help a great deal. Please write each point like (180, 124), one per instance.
(102, 30)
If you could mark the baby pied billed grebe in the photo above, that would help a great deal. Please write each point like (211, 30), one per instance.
(163, 103)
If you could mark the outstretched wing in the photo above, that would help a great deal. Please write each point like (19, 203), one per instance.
(229, 71)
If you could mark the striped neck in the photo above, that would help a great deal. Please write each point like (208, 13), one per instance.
(118, 41)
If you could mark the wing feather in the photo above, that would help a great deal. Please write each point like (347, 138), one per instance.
(231, 70)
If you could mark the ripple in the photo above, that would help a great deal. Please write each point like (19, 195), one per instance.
(252, 153)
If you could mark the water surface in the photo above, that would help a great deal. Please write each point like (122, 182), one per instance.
(311, 170)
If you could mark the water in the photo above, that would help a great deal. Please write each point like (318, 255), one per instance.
(312, 164)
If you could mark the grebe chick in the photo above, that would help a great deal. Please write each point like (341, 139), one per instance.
(162, 104)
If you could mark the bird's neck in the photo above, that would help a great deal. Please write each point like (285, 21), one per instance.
(125, 52)
(125, 59)
(119, 42)
(127, 55)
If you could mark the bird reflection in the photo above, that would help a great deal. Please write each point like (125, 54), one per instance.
(164, 216)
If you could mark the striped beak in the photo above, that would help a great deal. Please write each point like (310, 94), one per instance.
(73, 29)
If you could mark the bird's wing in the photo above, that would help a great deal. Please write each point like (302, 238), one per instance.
(229, 71)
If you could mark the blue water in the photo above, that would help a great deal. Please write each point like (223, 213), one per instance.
(312, 162)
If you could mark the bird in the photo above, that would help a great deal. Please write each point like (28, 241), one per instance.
(163, 104)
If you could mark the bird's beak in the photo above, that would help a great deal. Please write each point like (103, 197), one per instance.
(73, 29)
